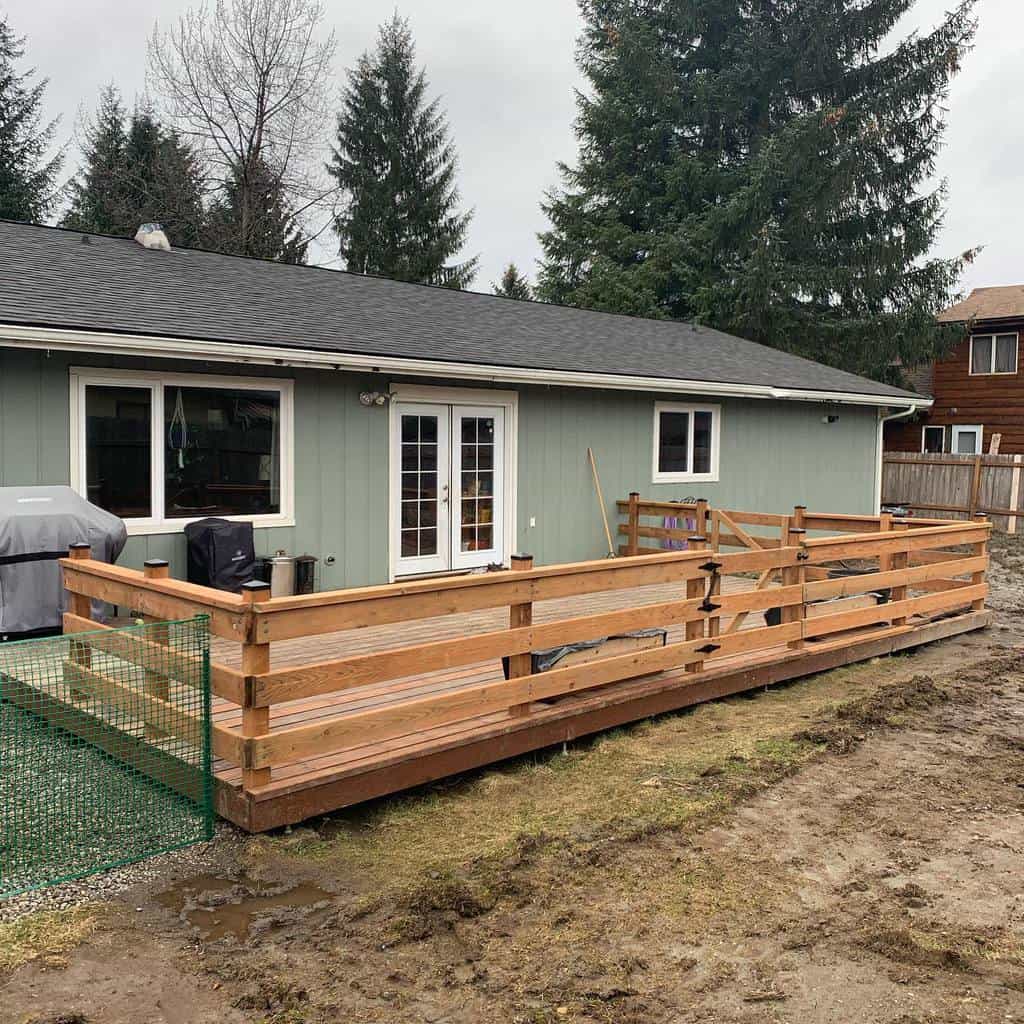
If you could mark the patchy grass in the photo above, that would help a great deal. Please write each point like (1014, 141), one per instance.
(48, 935)
(678, 772)
(942, 945)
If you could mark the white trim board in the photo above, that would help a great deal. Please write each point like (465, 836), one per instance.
(84, 376)
(148, 346)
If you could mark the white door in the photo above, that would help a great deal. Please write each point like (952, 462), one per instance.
(478, 486)
(420, 481)
(448, 487)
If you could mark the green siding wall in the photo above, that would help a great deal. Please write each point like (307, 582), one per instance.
(773, 455)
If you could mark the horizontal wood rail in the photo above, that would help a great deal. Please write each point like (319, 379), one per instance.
(794, 569)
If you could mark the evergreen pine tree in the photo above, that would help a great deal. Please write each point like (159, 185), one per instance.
(256, 220)
(396, 166)
(762, 167)
(98, 201)
(513, 285)
(27, 177)
(165, 181)
(135, 172)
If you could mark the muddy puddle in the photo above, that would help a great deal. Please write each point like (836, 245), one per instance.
(221, 907)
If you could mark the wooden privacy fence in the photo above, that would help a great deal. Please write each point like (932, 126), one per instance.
(957, 485)
(786, 563)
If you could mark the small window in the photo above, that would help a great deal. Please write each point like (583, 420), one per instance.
(967, 440)
(685, 442)
(933, 439)
(993, 353)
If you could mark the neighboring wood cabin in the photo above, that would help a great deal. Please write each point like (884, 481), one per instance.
(393, 429)
(978, 390)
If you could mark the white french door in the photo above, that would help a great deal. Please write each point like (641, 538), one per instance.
(448, 478)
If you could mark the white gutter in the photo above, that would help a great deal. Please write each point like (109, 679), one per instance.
(58, 340)
(882, 420)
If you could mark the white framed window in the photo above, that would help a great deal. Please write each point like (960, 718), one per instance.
(993, 353)
(164, 449)
(967, 440)
(933, 439)
(686, 442)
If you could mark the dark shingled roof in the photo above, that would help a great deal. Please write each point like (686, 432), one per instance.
(55, 278)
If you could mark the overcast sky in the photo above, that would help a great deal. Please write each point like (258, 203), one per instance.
(506, 74)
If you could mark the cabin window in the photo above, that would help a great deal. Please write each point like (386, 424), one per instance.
(686, 439)
(967, 440)
(161, 450)
(933, 439)
(993, 353)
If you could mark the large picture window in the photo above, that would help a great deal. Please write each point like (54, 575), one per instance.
(685, 442)
(159, 451)
(993, 353)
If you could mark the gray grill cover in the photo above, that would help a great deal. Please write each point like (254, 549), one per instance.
(37, 525)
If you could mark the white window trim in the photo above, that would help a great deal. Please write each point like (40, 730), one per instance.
(84, 376)
(659, 477)
(992, 371)
(437, 395)
(967, 428)
(924, 431)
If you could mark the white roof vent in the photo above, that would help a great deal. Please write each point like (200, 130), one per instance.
(151, 236)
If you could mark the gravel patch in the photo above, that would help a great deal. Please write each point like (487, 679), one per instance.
(120, 881)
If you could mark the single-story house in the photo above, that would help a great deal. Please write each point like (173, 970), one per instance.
(393, 429)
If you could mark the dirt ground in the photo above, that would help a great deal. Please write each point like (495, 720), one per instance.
(845, 848)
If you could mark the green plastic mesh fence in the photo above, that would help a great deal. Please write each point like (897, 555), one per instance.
(104, 750)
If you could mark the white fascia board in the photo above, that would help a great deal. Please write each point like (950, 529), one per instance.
(60, 340)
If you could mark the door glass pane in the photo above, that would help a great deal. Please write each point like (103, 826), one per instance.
(419, 486)
(118, 452)
(477, 483)
(1006, 353)
(673, 445)
(702, 442)
(981, 354)
(222, 452)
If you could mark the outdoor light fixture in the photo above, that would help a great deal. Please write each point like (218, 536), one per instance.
(373, 398)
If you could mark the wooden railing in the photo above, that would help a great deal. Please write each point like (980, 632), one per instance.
(923, 564)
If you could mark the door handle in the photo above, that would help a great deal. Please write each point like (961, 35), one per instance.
(444, 495)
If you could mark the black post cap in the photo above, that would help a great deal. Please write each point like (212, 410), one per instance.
(156, 563)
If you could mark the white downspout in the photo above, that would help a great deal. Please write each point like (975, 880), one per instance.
(882, 420)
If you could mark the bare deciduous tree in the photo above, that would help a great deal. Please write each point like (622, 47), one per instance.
(248, 82)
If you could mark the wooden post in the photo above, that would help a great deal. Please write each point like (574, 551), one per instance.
(716, 530)
(884, 525)
(798, 520)
(1011, 522)
(702, 517)
(522, 615)
(695, 588)
(156, 683)
(975, 486)
(900, 560)
(981, 548)
(80, 605)
(794, 576)
(633, 537)
(255, 661)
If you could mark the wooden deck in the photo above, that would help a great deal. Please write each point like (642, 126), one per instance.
(317, 785)
(378, 689)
